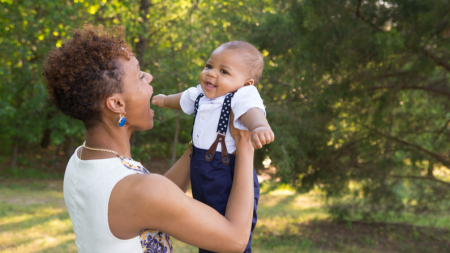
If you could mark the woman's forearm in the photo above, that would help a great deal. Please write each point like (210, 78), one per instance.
(240, 204)
(191, 221)
(179, 173)
(161, 205)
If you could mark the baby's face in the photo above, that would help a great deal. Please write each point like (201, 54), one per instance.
(224, 72)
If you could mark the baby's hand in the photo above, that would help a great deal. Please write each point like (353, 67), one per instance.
(158, 100)
(262, 136)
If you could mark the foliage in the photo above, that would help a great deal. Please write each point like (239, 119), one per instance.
(369, 81)
(356, 91)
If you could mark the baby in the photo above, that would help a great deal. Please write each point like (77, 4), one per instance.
(227, 82)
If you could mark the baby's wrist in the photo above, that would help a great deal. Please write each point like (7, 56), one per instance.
(261, 127)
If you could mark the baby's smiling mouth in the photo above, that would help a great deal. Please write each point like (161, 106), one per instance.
(209, 86)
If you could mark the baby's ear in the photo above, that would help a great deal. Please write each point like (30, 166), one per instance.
(249, 82)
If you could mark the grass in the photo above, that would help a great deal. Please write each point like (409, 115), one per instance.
(33, 218)
(278, 213)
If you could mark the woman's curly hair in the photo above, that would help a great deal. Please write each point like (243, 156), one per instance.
(85, 70)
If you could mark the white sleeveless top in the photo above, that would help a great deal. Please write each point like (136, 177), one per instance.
(87, 188)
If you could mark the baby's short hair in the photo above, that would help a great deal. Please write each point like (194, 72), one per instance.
(252, 56)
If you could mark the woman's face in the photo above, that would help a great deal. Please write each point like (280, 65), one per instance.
(137, 92)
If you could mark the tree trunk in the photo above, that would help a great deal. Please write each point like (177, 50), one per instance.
(177, 120)
(56, 153)
(175, 137)
(430, 170)
(132, 139)
(15, 153)
(142, 43)
(45, 142)
(69, 149)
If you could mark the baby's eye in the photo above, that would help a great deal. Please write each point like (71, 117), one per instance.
(224, 72)
(208, 66)
(143, 75)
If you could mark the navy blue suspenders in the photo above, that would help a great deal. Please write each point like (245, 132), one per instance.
(222, 127)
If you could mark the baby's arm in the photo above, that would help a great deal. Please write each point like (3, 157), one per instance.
(169, 101)
(257, 124)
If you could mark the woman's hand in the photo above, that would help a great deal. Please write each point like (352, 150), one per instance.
(237, 134)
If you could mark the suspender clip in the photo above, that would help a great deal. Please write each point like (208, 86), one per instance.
(212, 150)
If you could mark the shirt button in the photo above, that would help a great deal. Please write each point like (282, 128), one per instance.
(196, 138)
(203, 116)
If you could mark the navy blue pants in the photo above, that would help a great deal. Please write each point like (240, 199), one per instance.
(211, 184)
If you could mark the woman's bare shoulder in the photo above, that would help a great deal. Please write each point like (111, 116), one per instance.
(148, 189)
(142, 201)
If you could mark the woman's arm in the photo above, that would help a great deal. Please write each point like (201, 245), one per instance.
(153, 201)
(179, 173)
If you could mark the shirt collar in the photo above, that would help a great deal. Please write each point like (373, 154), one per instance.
(212, 100)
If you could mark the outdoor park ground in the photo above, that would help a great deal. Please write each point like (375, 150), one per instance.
(33, 218)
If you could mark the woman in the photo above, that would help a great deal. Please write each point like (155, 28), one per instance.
(111, 199)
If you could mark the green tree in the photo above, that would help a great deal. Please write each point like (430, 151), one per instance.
(28, 30)
(359, 97)
(171, 39)
(356, 91)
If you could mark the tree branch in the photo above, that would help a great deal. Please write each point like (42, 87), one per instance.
(394, 74)
(435, 58)
(357, 12)
(438, 157)
(421, 178)
(402, 87)
(427, 53)
(155, 31)
(143, 39)
(442, 130)
(275, 80)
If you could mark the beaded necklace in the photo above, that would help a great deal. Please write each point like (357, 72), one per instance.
(138, 168)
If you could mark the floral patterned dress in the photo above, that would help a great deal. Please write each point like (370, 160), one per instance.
(152, 241)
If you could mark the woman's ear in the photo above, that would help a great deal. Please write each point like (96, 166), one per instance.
(249, 82)
(115, 104)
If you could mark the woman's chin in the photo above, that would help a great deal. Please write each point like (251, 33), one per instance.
(150, 124)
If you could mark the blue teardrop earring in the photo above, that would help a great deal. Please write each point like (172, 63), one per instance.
(122, 120)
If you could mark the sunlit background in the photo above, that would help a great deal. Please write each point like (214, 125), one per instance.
(357, 93)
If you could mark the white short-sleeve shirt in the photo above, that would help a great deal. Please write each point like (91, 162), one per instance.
(208, 114)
